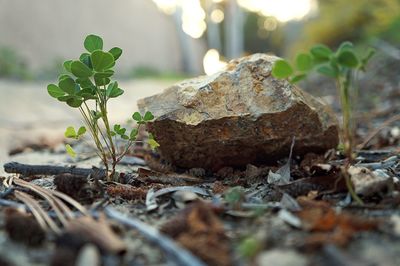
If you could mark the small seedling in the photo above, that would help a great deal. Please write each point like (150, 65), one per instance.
(88, 88)
(249, 247)
(343, 66)
(235, 197)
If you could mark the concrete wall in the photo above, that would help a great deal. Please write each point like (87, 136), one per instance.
(44, 30)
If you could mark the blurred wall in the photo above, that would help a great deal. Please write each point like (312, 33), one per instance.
(46, 30)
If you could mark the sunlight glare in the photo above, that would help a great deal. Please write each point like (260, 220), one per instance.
(212, 63)
(193, 17)
(283, 10)
(217, 16)
(166, 6)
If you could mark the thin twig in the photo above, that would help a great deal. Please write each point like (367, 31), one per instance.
(29, 170)
(376, 131)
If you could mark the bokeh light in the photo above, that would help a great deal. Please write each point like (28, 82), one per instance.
(212, 62)
(283, 10)
(217, 16)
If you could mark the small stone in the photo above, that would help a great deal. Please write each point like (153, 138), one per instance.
(239, 116)
(252, 171)
(280, 257)
(367, 182)
(89, 255)
(197, 172)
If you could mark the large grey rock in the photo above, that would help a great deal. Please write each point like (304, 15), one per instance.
(238, 116)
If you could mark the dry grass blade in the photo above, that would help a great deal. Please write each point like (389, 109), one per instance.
(71, 201)
(41, 216)
(7, 182)
(376, 131)
(35, 213)
(53, 194)
(54, 203)
(49, 193)
(54, 198)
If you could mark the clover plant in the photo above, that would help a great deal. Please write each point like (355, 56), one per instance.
(343, 66)
(88, 87)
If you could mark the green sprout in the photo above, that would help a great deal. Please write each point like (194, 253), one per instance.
(235, 196)
(249, 247)
(343, 65)
(88, 88)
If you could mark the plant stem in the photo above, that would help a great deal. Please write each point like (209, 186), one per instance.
(130, 143)
(98, 129)
(104, 117)
(344, 85)
(347, 137)
(92, 130)
(349, 185)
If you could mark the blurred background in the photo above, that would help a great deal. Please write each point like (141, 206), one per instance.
(165, 41)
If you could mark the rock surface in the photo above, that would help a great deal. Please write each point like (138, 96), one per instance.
(238, 116)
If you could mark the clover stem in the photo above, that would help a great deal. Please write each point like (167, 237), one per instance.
(95, 138)
(349, 185)
(97, 128)
(130, 143)
(344, 85)
(103, 109)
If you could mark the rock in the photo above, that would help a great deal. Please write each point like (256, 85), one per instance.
(238, 116)
(281, 257)
(367, 182)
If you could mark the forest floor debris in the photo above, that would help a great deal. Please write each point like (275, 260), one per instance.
(161, 215)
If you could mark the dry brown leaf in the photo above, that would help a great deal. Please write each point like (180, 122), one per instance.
(328, 226)
(199, 229)
(98, 232)
(219, 187)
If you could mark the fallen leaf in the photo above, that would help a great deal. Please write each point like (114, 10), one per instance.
(282, 175)
(97, 232)
(198, 229)
(152, 195)
(327, 226)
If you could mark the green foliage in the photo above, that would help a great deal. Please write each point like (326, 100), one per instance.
(55, 91)
(71, 133)
(249, 247)
(359, 21)
(79, 69)
(324, 61)
(113, 91)
(235, 196)
(93, 42)
(282, 69)
(342, 65)
(304, 62)
(70, 151)
(321, 52)
(101, 60)
(89, 79)
(12, 64)
(152, 142)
